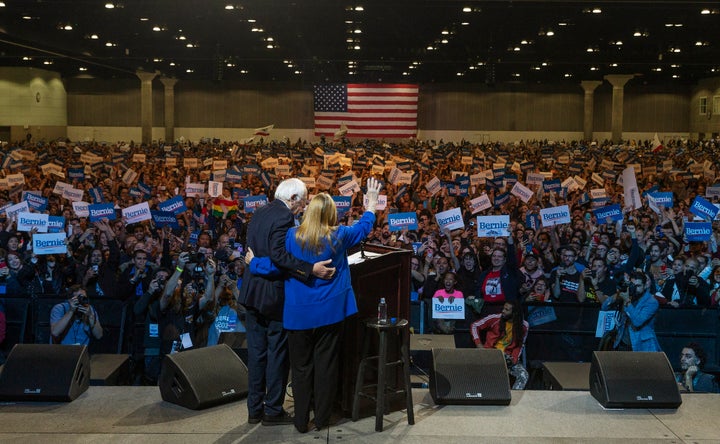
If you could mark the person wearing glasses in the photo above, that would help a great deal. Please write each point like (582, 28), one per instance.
(567, 281)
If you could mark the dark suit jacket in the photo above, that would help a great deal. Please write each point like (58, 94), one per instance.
(266, 236)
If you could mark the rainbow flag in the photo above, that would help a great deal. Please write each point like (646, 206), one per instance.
(230, 205)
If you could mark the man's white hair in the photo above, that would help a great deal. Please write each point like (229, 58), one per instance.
(289, 188)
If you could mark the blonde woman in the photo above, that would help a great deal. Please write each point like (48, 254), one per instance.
(314, 311)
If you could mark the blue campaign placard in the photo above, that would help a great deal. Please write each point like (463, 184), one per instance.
(56, 224)
(400, 221)
(551, 185)
(164, 219)
(608, 212)
(252, 203)
(698, 231)
(98, 211)
(96, 194)
(342, 203)
(702, 207)
(175, 205)
(664, 199)
(37, 203)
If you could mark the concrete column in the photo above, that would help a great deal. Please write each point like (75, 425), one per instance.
(618, 82)
(588, 111)
(169, 85)
(146, 108)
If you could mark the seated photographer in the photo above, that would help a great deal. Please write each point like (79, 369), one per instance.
(685, 288)
(181, 302)
(75, 321)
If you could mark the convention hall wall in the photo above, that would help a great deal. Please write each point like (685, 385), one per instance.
(109, 110)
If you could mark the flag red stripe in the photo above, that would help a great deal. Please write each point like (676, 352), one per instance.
(364, 118)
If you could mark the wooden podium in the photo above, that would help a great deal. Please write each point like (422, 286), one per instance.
(385, 273)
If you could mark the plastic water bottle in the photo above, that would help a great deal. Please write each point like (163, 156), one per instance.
(382, 312)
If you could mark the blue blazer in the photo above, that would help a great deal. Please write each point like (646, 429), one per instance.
(641, 323)
(319, 302)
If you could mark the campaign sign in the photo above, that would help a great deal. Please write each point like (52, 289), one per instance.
(27, 221)
(233, 176)
(194, 189)
(137, 213)
(56, 224)
(37, 203)
(534, 178)
(349, 188)
(551, 185)
(555, 216)
(532, 221)
(251, 203)
(480, 203)
(663, 199)
(607, 213)
(342, 204)
(49, 243)
(521, 191)
(630, 188)
(502, 199)
(100, 210)
(73, 194)
(447, 309)
(493, 226)
(450, 219)
(175, 205)
(215, 188)
(96, 194)
(703, 208)
(381, 203)
(713, 191)
(13, 210)
(433, 186)
(698, 231)
(400, 221)
(81, 209)
(164, 219)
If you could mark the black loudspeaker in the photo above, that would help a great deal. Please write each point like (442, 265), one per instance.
(620, 379)
(202, 378)
(45, 372)
(469, 376)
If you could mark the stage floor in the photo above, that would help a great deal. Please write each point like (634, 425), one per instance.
(138, 414)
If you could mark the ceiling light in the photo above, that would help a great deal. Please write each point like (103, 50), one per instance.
(550, 33)
(172, 63)
(108, 44)
(144, 19)
(109, 5)
(251, 20)
(544, 64)
(189, 45)
(536, 68)
(2, 4)
(562, 24)
(181, 37)
(593, 68)
(675, 76)
(416, 63)
(516, 74)
(459, 74)
(678, 25)
(674, 65)
(26, 58)
(517, 48)
(298, 72)
(597, 11)
(229, 7)
(467, 9)
(48, 62)
(94, 36)
(567, 75)
(189, 70)
(351, 72)
(270, 46)
(356, 47)
(157, 60)
(675, 50)
(590, 50)
(444, 41)
(705, 11)
(658, 69)
(637, 34)
(82, 68)
(157, 28)
(465, 23)
(26, 17)
(472, 67)
(290, 65)
(269, 39)
(445, 32)
(359, 8)
(68, 27)
(357, 31)
(619, 43)
(243, 71)
(405, 73)
(614, 65)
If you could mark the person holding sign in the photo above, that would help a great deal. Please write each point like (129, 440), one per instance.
(502, 281)
(442, 325)
(314, 311)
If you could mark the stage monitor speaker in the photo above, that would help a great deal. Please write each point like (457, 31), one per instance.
(45, 372)
(620, 379)
(469, 376)
(202, 378)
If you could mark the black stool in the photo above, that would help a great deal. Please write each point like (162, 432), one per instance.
(382, 391)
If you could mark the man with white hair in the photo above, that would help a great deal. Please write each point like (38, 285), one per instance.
(263, 298)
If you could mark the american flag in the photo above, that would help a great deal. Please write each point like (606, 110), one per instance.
(367, 110)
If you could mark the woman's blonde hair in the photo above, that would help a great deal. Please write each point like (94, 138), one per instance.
(318, 224)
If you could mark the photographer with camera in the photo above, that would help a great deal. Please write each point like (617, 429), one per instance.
(226, 314)
(181, 302)
(75, 321)
(635, 320)
(150, 372)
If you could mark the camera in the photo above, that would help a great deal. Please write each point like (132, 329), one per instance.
(83, 300)
(626, 286)
(196, 258)
(232, 275)
(95, 268)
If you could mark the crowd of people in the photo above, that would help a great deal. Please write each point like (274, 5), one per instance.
(182, 277)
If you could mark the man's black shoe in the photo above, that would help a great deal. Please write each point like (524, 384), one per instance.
(254, 419)
(281, 419)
